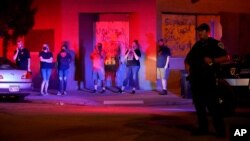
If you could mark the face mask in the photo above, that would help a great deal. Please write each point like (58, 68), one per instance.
(44, 48)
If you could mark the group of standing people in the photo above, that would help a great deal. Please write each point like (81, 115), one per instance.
(201, 63)
(22, 58)
(131, 58)
(132, 61)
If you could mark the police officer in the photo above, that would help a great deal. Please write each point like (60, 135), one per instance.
(201, 63)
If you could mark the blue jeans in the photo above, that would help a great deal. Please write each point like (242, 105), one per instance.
(63, 73)
(46, 73)
(134, 70)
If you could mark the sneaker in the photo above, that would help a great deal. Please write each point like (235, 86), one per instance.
(65, 93)
(42, 93)
(59, 93)
(133, 91)
(46, 93)
(120, 90)
(163, 92)
(103, 91)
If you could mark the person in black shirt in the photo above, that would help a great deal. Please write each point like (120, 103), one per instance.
(46, 65)
(163, 56)
(22, 57)
(201, 63)
(63, 63)
(132, 57)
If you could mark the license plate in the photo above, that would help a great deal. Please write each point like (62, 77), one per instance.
(14, 88)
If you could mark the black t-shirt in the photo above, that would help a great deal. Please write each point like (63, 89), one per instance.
(64, 59)
(131, 61)
(204, 48)
(22, 58)
(162, 55)
(45, 55)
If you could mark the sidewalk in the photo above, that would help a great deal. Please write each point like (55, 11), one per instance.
(141, 98)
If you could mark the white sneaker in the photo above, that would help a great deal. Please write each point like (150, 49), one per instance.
(65, 93)
(42, 93)
(59, 93)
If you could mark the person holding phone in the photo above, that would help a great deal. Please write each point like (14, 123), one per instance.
(22, 57)
(132, 57)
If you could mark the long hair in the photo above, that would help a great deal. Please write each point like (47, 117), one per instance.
(137, 44)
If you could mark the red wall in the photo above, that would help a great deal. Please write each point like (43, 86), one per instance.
(142, 27)
(145, 23)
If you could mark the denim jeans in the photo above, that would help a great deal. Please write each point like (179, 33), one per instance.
(63, 73)
(134, 70)
(46, 73)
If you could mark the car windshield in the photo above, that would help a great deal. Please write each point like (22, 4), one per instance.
(6, 64)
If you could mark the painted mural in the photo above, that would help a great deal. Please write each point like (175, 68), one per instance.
(115, 38)
(179, 31)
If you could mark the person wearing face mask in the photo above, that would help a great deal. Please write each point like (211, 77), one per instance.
(132, 57)
(98, 57)
(63, 63)
(46, 65)
(22, 57)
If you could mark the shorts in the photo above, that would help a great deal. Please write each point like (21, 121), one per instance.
(46, 73)
(99, 74)
(162, 73)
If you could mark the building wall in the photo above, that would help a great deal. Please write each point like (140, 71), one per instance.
(145, 25)
(233, 22)
(142, 27)
(48, 17)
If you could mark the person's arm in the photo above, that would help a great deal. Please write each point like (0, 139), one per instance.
(29, 61)
(220, 57)
(223, 59)
(50, 60)
(187, 60)
(15, 54)
(167, 62)
(135, 55)
(29, 70)
(70, 58)
(187, 67)
(126, 54)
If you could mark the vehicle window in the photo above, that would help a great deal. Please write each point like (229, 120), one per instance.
(6, 64)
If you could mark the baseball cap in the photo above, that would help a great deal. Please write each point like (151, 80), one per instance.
(203, 26)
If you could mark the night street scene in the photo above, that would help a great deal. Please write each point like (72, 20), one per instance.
(128, 70)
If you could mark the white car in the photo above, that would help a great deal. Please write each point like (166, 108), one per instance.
(13, 80)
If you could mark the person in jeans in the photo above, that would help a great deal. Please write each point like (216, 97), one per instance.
(132, 56)
(163, 55)
(63, 60)
(98, 57)
(46, 65)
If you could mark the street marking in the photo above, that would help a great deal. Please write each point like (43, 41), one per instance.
(123, 102)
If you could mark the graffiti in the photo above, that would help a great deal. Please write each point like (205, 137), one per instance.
(115, 39)
(114, 36)
(179, 31)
